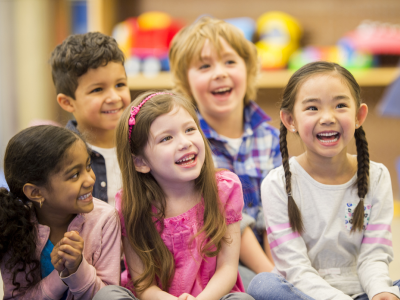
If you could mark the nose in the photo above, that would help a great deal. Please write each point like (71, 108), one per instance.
(220, 71)
(327, 118)
(90, 179)
(184, 143)
(113, 96)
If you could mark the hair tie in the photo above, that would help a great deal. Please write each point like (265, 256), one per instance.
(289, 194)
(135, 110)
(361, 199)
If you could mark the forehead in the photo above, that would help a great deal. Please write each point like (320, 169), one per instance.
(113, 70)
(75, 154)
(213, 47)
(170, 120)
(323, 85)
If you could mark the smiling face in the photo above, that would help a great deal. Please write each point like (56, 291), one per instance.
(175, 151)
(325, 115)
(218, 81)
(101, 96)
(69, 191)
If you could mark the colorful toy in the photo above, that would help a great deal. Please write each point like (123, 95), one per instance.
(246, 25)
(279, 38)
(146, 40)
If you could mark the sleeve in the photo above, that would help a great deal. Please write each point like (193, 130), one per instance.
(376, 249)
(288, 248)
(48, 288)
(276, 152)
(88, 279)
(231, 195)
(118, 206)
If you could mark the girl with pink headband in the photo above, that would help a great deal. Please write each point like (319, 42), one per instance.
(180, 217)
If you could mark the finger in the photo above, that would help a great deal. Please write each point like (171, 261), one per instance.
(71, 261)
(74, 244)
(73, 235)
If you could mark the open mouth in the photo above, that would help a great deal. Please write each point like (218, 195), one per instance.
(328, 137)
(111, 111)
(187, 160)
(85, 196)
(222, 91)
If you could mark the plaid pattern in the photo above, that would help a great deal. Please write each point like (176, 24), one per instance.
(258, 154)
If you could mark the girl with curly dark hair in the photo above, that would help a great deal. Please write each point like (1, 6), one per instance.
(56, 240)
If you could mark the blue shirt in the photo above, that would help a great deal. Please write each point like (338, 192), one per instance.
(45, 263)
(258, 154)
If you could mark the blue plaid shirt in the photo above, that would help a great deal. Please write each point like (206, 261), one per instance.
(258, 154)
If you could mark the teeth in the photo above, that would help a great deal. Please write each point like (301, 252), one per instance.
(327, 134)
(329, 141)
(83, 197)
(111, 111)
(190, 157)
(222, 90)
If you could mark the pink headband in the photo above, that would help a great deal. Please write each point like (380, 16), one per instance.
(135, 110)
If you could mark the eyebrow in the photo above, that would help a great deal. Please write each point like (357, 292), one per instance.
(101, 83)
(77, 166)
(336, 98)
(169, 130)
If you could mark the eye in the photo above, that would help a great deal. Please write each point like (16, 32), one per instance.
(121, 84)
(204, 66)
(96, 90)
(230, 62)
(167, 138)
(312, 108)
(75, 176)
(341, 105)
(191, 129)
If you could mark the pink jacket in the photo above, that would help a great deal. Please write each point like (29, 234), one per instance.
(100, 266)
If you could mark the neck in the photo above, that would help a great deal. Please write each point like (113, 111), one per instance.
(230, 125)
(53, 219)
(329, 170)
(99, 138)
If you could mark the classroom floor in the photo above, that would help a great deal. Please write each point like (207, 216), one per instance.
(394, 268)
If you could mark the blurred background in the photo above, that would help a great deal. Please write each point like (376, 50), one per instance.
(362, 35)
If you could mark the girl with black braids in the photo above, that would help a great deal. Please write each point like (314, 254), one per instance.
(327, 213)
(56, 240)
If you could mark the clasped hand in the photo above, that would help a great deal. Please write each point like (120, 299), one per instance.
(67, 253)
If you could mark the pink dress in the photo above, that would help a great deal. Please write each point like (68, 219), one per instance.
(192, 273)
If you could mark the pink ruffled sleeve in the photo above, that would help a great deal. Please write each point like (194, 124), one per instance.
(231, 195)
(118, 206)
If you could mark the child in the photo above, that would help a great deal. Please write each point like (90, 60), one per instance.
(57, 241)
(180, 218)
(216, 67)
(90, 80)
(329, 230)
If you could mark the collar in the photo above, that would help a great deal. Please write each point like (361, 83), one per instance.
(253, 117)
(72, 125)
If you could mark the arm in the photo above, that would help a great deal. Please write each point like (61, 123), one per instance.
(376, 249)
(226, 271)
(288, 248)
(88, 279)
(135, 267)
(251, 253)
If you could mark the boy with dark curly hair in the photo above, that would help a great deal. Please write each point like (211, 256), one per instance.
(89, 76)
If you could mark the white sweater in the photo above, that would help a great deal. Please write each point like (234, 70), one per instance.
(328, 261)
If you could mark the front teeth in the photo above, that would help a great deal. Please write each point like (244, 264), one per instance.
(83, 197)
(329, 141)
(190, 157)
(222, 90)
(327, 134)
(111, 111)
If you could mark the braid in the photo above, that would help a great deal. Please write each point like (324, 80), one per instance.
(362, 177)
(293, 211)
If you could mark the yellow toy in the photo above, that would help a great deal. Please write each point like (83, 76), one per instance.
(279, 37)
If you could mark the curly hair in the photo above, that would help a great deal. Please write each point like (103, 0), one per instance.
(32, 156)
(77, 54)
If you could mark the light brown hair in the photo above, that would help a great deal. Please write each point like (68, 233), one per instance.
(77, 54)
(289, 98)
(141, 191)
(188, 43)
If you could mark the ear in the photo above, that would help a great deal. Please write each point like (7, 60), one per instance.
(33, 193)
(287, 120)
(361, 114)
(140, 165)
(66, 102)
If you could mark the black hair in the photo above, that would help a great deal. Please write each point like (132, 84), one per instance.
(32, 156)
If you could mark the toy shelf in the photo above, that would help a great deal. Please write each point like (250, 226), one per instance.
(270, 79)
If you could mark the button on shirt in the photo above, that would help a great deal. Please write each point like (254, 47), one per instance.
(258, 154)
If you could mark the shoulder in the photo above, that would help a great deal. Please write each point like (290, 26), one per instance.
(101, 211)
(379, 174)
(226, 180)
(274, 177)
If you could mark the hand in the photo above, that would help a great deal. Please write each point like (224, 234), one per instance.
(186, 296)
(385, 296)
(70, 250)
(56, 260)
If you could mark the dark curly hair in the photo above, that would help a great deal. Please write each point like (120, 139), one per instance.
(32, 156)
(77, 54)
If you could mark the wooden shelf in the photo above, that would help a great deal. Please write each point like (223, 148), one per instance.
(270, 79)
